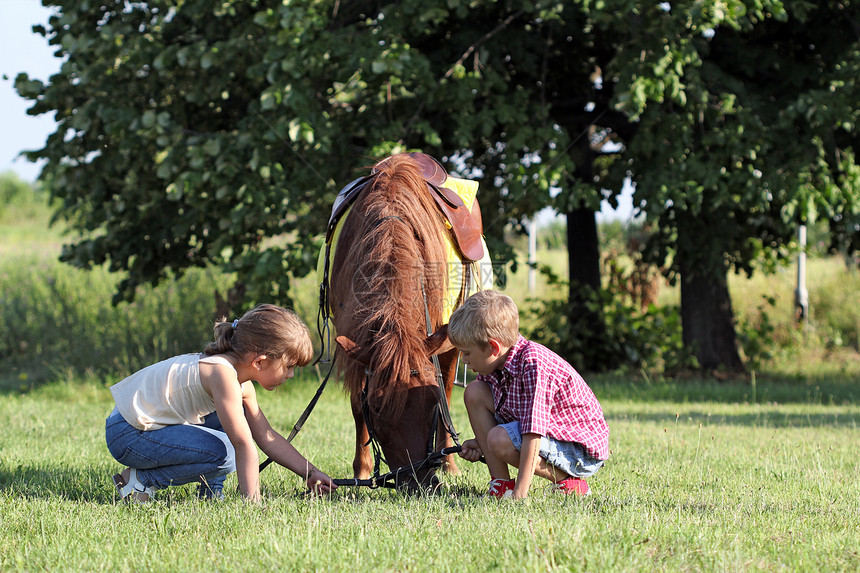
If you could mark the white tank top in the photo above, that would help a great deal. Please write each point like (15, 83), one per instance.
(167, 393)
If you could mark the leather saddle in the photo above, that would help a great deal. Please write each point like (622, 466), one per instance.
(467, 225)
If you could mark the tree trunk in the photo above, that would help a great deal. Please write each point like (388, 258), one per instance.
(707, 320)
(583, 252)
(227, 307)
(583, 255)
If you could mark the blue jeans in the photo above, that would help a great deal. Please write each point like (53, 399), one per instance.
(174, 455)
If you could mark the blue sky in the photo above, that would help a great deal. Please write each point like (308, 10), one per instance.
(23, 51)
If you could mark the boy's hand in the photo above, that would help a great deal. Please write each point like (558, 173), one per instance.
(471, 451)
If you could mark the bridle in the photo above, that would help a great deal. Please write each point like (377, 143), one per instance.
(391, 479)
(433, 458)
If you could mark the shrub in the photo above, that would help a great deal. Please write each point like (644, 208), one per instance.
(835, 310)
(18, 198)
(56, 318)
(756, 334)
(634, 338)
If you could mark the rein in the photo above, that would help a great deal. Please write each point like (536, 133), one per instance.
(389, 480)
(308, 409)
(433, 460)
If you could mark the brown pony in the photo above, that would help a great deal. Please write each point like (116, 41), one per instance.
(389, 260)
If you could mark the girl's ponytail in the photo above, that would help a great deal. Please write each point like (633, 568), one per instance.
(265, 329)
(224, 335)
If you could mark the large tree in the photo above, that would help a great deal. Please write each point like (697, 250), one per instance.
(188, 135)
(752, 135)
(191, 132)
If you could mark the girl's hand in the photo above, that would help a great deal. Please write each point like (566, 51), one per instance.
(319, 483)
(471, 451)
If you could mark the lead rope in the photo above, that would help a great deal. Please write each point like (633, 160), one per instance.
(308, 409)
(323, 312)
(440, 383)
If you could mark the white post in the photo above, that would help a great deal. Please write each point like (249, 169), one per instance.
(801, 295)
(532, 255)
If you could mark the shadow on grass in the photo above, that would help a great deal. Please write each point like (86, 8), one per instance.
(822, 390)
(95, 486)
(75, 484)
(764, 419)
(57, 482)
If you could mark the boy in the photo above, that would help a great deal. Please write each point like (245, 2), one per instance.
(528, 407)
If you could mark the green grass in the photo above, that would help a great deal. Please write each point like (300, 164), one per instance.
(59, 320)
(703, 485)
(834, 304)
(738, 475)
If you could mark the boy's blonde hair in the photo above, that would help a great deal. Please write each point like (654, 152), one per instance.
(486, 314)
(265, 329)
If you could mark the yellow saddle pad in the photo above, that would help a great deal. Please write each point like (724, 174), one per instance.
(481, 276)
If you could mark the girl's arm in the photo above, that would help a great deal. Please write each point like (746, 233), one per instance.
(279, 449)
(228, 394)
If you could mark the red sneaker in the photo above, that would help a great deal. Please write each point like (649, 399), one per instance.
(573, 486)
(501, 488)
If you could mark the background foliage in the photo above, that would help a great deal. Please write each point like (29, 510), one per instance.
(192, 134)
(57, 321)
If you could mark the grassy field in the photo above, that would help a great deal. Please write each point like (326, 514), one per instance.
(741, 475)
(711, 484)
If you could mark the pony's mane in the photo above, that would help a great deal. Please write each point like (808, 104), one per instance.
(396, 249)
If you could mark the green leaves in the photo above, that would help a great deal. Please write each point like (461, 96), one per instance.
(748, 152)
(28, 88)
(192, 132)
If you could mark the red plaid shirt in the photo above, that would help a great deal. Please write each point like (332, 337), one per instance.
(540, 390)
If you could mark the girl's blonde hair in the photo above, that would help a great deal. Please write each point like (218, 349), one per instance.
(486, 314)
(265, 329)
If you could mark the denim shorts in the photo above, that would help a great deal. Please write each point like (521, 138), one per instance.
(569, 457)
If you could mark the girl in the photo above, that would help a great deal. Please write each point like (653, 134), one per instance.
(195, 417)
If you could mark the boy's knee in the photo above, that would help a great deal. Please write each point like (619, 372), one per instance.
(499, 441)
(477, 394)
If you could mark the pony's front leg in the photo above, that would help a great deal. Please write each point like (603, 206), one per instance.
(448, 463)
(363, 461)
(448, 364)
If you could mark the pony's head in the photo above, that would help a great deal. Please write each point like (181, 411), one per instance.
(388, 280)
